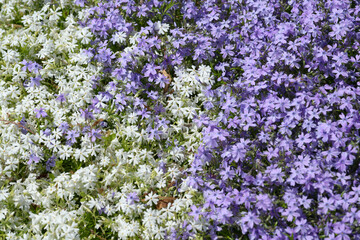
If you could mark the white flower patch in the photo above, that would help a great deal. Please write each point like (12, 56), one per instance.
(57, 224)
(124, 180)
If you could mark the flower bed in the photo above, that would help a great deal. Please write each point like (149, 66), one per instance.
(150, 119)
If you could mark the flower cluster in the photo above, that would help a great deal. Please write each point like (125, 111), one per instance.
(124, 119)
(280, 153)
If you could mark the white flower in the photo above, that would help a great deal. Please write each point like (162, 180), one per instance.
(102, 101)
(65, 151)
(55, 145)
(177, 205)
(81, 154)
(167, 212)
(10, 56)
(18, 73)
(161, 183)
(159, 232)
(49, 142)
(84, 34)
(105, 161)
(151, 198)
(4, 194)
(57, 133)
(132, 118)
(141, 136)
(161, 27)
(118, 37)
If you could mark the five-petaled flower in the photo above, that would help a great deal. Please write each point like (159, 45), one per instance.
(40, 112)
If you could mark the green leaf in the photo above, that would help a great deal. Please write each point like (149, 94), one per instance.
(108, 139)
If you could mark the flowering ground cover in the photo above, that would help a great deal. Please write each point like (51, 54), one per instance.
(194, 119)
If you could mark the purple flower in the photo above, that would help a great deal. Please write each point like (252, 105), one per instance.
(263, 202)
(26, 64)
(338, 31)
(162, 165)
(227, 173)
(230, 104)
(271, 153)
(33, 159)
(150, 70)
(72, 135)
(227, 51)
(133, 197)
(143, 113)
(326, 204)
(161, 81)
(102, 210)
(86, 114)
(105, 55)
(31, 66)
(63, 126)
(305, 202)
(50, 163)
(35, 67)
(94, 134)
(23, 123)
(35, 81)
(342, 231)
(40, 112)
(239, 150)
(291, 213)
(80, 3)
(248, 221)
(323, 132)
(303, 139)
(163, 123)
(61, 97)
(47, 132)
(195, 212)
(224, 215)
(153, 133)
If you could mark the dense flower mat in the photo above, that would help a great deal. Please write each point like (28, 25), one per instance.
(191, 119)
